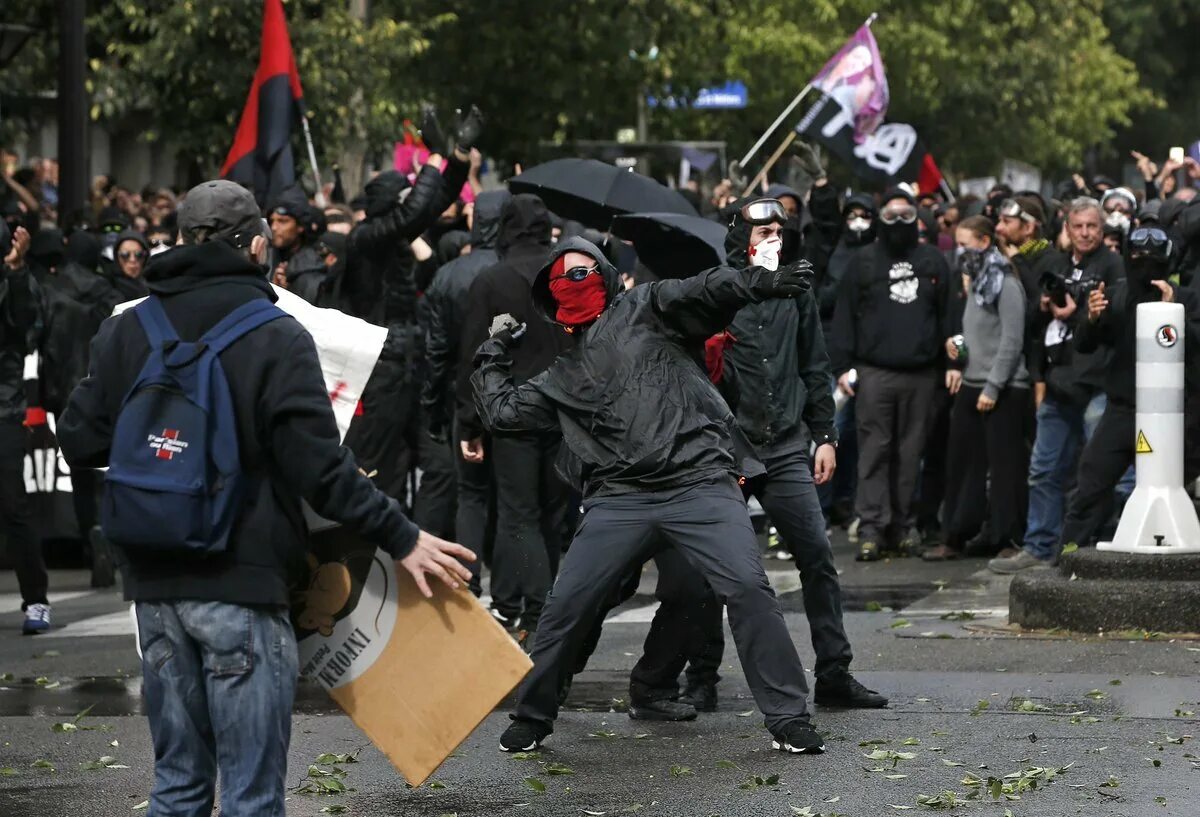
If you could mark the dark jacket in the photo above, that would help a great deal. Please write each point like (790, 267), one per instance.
(446, 309)
(629, 397)
(1073, 376)
(891, 312)
(1116, 330)
(75, 301)
(306, 271)
(779, 363)
(846, 244)
(20, 325)
(523, 241)
(287, 436)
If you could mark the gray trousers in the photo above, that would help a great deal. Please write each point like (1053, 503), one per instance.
(894, 411)
(709, 524)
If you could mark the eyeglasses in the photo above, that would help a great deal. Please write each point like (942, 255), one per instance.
(764, 211)
(1150, 239)
(1012, 209)
(129, 255)
(578, 274)
(901, 212)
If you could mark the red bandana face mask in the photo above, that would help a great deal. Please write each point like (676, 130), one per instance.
(579, 302)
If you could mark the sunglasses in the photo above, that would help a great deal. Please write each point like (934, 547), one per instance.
(129, 255)
(905, 213)
(764, 211)
(1150, 239)
(578, 274)
(1012, 209)
(159, 242)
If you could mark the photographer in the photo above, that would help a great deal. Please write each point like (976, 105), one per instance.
(1112, 322)
(1068, 383)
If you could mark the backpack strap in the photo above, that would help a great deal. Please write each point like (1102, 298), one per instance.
(246, 318)
(154, 321)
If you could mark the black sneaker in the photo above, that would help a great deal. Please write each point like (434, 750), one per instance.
(523, 736)
(798, 738)
(662, 711)
(703, 697)
(843, 690)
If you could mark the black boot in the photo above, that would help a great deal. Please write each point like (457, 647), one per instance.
(841, 689)
(665, 710)
(701, 696)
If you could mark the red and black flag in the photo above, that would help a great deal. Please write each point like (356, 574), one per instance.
(261, 156)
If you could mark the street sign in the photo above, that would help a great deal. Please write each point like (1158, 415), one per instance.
(732, 95)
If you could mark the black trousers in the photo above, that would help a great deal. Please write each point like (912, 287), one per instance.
(708, 523)
(434, 507)
(789, 496)
(85, 495)
(474, 516)
(931, 491)
(894, 412)
(23, 543)
(987, 468)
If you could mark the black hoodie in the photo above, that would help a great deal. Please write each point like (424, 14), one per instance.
(287, 436)
(631, 402)
(523, 241)
(445, 309)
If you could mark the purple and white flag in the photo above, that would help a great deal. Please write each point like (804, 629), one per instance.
(855, 78)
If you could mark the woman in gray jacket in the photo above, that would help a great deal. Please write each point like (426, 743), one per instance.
(987, 456)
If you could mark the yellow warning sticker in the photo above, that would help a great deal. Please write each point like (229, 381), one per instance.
(1143, 445)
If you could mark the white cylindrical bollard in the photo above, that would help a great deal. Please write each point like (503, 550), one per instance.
(1159, 517)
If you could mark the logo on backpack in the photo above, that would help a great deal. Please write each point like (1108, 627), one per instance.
(193, 506)
(167, 445)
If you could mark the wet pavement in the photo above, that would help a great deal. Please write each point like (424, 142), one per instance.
(965, 689)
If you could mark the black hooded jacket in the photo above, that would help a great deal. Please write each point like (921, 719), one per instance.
(287, 436)
(75, 301)
(632, 404)
(523, 242)
(779, 361)
(20, 325)
(446, 308)
(829, 280)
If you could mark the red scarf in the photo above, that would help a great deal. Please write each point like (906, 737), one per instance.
(579, 302)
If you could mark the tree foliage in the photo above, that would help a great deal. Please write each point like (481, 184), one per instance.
(981, 80)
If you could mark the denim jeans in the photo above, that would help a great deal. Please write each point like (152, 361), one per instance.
(1062, 429)
(845, 479)
(219, 680)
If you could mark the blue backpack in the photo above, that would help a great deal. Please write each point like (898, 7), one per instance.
(174, 483)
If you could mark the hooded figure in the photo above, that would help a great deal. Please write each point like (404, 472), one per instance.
(652, 435)
(306, 271)
(856, 229)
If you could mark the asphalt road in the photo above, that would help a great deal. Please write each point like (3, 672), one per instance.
(1105, 709)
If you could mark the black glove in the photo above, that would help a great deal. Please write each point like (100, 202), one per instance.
(786, 282)
(468, 130)
(809, 160)
(431, 130)
(507, 338)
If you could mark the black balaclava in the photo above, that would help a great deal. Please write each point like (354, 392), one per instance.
(899, 238)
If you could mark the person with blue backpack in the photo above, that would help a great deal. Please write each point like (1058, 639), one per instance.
(207, 404)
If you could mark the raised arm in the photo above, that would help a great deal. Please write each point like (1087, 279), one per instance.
(703, 305)
(503, 405)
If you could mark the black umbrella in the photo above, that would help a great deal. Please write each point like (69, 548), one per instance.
(592, 192)
(671, 245)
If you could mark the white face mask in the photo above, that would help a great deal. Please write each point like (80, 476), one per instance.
(766, 253)
(858, 225)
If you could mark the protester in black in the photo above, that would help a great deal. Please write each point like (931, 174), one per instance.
(296, 262)
(783, 403)
(651, 438)
(890, 326)
(530, 498)
(220, 655)
(20, 317)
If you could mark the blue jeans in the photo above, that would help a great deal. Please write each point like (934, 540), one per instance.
(845, 478)
(219, 680)
(1062, 429)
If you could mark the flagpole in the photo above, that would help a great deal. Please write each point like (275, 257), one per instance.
(762, 174)
(319, 197)
(787, 111)
(946, 189)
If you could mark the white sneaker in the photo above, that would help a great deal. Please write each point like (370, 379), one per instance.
(37, 619)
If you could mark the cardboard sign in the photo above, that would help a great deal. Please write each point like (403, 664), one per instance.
(416, 675)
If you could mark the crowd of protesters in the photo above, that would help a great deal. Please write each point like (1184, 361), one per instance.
(977, 348)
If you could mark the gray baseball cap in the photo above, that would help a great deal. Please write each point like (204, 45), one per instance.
(223, 210)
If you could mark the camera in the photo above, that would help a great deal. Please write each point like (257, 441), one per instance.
(1057, 287)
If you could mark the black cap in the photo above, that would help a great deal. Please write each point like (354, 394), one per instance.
(220, 209)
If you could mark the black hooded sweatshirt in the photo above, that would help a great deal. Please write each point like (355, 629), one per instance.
(631, 402)
(446, 308)
(287, 435)
(779, 361)
(892, 309)
(523, 242)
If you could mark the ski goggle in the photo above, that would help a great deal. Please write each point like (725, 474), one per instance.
(764, 211)
(1150, 240)
(893, 213)
(578, 274)
(1012, 209)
